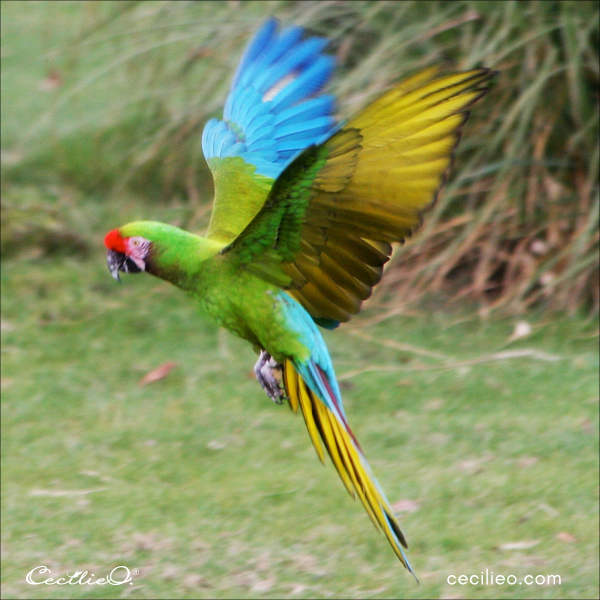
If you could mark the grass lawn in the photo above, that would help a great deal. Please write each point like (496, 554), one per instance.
(207, 489)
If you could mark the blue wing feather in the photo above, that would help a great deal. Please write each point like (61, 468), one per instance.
(310, 109)
(312, 127)
(304, 54)
(306, 84)
(262, 38)
(271, 113)
(258, 123)
(259, 73)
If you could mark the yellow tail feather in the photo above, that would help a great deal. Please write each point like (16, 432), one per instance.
(346, 457)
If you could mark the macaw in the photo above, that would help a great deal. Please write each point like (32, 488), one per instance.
(305, 212)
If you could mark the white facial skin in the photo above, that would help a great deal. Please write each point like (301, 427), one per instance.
(137, 250)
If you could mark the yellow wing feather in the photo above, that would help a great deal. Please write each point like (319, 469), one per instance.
(383, 170)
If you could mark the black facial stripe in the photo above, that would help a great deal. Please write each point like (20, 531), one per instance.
(118, 262)
(128, 266)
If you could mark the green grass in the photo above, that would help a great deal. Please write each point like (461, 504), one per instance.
(210, 490)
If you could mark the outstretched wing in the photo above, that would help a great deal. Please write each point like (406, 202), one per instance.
(272, 113)
(326, 229)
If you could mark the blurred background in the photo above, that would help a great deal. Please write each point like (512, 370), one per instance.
(133, 430)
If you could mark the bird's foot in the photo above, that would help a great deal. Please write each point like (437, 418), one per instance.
(268, 373)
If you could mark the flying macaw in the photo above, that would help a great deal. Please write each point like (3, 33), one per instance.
(305, 211)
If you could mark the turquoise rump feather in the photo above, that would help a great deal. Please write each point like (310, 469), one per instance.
(305, 213)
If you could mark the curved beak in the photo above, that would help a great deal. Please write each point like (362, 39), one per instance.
(115, 261)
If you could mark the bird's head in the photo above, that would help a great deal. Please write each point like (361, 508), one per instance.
(128, 251)
(162, 250)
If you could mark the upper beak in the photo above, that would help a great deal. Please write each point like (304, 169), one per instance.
(114, 260)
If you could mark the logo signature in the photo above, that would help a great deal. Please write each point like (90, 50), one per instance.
(119, 575)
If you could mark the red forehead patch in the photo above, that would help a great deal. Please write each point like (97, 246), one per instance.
(114, 241)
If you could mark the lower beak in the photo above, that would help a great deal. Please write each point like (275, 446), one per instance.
(114, 260)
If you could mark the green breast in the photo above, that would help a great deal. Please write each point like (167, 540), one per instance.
(247, 306)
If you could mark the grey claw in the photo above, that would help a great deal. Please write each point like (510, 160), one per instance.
(268, 373)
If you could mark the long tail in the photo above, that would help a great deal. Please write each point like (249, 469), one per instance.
(327, 425)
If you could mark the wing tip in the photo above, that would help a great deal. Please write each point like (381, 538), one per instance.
(292, 67)
(483, 80)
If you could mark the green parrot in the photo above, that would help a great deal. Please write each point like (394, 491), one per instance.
(305, 213)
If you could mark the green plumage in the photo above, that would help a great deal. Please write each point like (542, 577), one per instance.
(234, 179)
(278, 225)
(307, 247)
(233, 297)
(323, 229)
